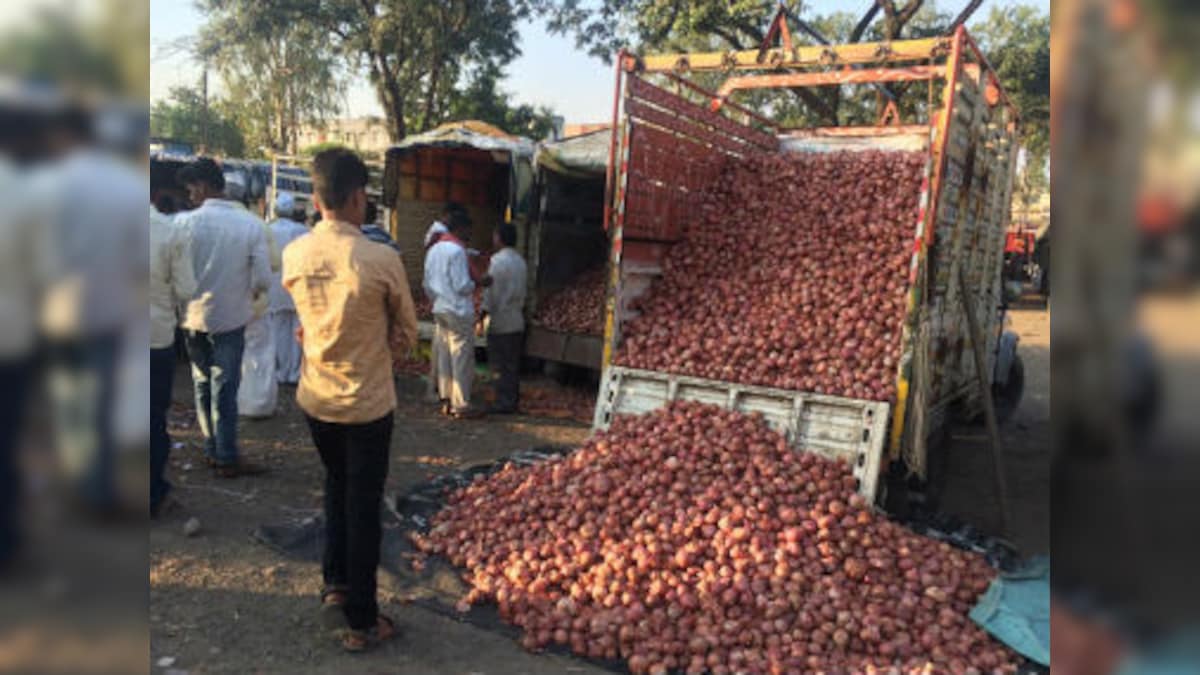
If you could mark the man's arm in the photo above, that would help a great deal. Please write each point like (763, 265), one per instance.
(402, 313)
(183, 278)
(260, 262)
(460, 274)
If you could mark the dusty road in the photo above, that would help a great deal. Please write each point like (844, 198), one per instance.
(1026, 440)
(221, 603)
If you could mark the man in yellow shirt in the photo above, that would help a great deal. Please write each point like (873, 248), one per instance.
(356, 317)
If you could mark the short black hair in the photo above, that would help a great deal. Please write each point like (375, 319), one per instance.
(452, 208)
(203, 170)
(459, 221)
(336, 174)
(508, 234)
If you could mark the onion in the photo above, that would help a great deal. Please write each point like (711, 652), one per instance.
(832, 591)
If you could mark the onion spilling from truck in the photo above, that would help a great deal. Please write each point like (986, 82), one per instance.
(694, 539)
(794, 277)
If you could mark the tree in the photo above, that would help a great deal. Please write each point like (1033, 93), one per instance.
(280, 68)
(416, 52)
(480, 100)
(1017, 43)
(184, 117)
(81, 52)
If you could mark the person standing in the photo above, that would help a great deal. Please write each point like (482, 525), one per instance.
(231, 264)
(171, 285)
(281, 311)
(356, 319)
(374, 232)
(91, 204)
(503, 316)
(441, 226)
(258, 392)
(448, 283)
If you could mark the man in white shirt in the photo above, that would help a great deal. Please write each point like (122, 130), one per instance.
(91, 205)
(230, 261)
(441, 225)
(503, 314)
(448, 283)
(171, 285)
(281, 311)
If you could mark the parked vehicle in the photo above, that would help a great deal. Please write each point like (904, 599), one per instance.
(667, 132)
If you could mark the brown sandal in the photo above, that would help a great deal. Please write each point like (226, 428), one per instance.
(333, 600)
(358, 641)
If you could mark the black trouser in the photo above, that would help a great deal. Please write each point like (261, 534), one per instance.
(14, 382)
(504, 354)
(356, 465)
(162, 372)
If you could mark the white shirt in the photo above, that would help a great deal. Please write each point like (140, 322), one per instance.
(172, 283)
(504, 300)
(231, 264)
(26, 253)
(93, 209)
(448, 281)
(284, 230)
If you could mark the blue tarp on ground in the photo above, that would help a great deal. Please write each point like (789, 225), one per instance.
(1016, 609)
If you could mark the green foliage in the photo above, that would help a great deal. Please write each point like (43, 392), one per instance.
(1016, 40)
(418, 52)
(184, 117)
(481, 100)
(106, 52)
(282, 72)
(315, 148)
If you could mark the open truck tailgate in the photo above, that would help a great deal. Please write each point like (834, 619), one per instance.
(846, 429)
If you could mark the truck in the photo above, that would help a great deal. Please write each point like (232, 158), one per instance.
(667, 130)
(568, 243)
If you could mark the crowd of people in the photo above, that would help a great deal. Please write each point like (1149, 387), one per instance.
(330, 309)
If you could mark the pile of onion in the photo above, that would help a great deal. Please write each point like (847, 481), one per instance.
(696, 540)
(577, 307)
(795, 277)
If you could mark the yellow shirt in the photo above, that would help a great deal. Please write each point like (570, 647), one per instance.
(357, 316)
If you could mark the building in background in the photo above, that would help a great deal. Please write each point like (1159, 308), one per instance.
(366, 135)
(572, 130)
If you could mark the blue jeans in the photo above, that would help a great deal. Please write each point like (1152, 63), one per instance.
(162, 372)
(83, 379)
(216, 375)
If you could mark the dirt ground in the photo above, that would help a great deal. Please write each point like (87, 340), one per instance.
(222, 603)
(1026, 441)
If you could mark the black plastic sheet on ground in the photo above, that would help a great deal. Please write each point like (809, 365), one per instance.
(438, 586)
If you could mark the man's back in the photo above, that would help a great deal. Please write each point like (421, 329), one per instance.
(505, 298)
(448, 279)
(285, 232)
(230, 260)
(353, 301)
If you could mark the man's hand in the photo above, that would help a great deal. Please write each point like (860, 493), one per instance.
(300, 333)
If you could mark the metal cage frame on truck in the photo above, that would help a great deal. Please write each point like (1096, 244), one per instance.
(664, 138)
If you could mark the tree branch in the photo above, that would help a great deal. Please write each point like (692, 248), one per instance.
(910, 10)
(964, 15)
(864, 23)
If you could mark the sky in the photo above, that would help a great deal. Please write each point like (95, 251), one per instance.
(550, 70)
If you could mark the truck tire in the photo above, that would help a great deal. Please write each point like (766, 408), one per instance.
(1007, 398)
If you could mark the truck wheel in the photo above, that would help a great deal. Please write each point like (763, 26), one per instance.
(1008, 397)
